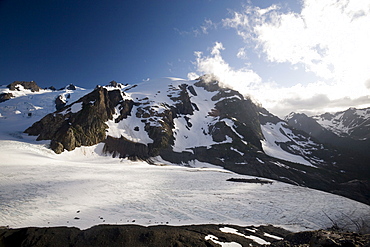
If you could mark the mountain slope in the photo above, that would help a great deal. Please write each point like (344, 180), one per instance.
(353, 123)
(186, 122)
(347, 131)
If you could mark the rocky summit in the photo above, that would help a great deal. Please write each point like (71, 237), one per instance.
(81, 123)
(187, 122)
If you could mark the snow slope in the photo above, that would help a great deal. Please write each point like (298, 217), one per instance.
(20, 112)
(82, 189)
(279, 137)
(273, 136)
(159, 95)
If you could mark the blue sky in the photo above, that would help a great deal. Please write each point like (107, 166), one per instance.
(93, 42)
(297, 55)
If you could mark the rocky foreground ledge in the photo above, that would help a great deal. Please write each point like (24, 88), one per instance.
(164, 235)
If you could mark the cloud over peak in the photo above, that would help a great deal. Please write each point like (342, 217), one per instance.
(328, 38)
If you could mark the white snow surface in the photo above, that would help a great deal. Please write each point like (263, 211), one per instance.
(236, 232)
(40, 188)
(215, 240)
(126, 127)
(270, 145)
(83, 187)
(20, 112)
(161, 91)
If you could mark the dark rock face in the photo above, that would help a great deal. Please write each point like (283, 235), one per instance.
(123, 148)
(71, 87)
(5, 96)
(26, 84)
(82, 123)
(182, 102)
(303, 122)
(59, 103)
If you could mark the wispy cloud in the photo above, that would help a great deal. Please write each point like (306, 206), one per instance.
(329, 38)
(201, 30)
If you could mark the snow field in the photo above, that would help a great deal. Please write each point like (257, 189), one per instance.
(82, 189)
(19, 113)
(272, 135)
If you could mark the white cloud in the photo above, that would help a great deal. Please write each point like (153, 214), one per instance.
(203, 29)
(242, 53)
(240, 79)
(208, 25)
(329, 38)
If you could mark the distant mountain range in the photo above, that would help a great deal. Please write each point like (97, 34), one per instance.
(195, 122)
(346, 130)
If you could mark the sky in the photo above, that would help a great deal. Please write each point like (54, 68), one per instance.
(306, 56)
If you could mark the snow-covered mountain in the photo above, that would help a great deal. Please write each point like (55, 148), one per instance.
(216, 136)
(187, 123)
(348, 130)
(353, 123)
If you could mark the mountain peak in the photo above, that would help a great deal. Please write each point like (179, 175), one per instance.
(20, 85)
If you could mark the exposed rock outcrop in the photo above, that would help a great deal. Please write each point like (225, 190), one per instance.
(71, 87)
(5, 96)
(25, 84)
(123, 148)
(59, 103)
(81, 123)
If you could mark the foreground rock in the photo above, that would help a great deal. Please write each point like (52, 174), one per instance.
(162, 235)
